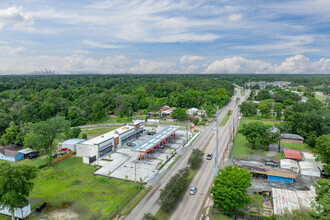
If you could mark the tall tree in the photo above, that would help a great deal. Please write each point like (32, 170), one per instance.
(278, 110)
(16, 182)
(180, 114)
(195, 159)
(322, 150)
(264, 109)
(254, 132)
(43, 134)
(229, 191)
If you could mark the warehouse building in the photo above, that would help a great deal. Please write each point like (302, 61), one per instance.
(103, 144)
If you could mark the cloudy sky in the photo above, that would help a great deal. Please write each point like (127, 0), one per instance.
(164, 36)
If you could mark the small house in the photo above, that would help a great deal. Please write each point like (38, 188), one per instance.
(289, 164)
(192, 111)
(308, 157)
(309, 169)
(27, 151)
(292, 154)
(167, 112)
(71, 144)
(292, 138)
(11, 153)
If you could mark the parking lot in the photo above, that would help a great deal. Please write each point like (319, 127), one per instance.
(125, 164)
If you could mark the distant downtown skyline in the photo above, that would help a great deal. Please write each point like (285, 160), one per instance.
(163, 36)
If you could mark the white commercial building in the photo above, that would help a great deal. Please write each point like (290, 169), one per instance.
(289, 164)
(309, 168)
(108, 142)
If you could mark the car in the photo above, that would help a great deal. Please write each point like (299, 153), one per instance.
(61, 154)
(33, 155)
(209, 156)
(131, 144)
(193, 190)
(55, 155)
(271, 164)
(64, 149)
(150, 133)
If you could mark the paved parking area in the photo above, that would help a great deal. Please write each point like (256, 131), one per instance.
(125, 165)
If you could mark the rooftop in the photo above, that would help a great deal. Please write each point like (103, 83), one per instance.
(308, 165)
(288, 162)
(292, 136)
(109, 135)
(74, 141)
(288, 200)
(154, 140)
(292, 154)
(27, 150)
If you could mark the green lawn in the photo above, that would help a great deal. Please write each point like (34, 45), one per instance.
(70, 184)
(35, 162)
(294, 146)
(93, 132)
(224, 121)
(242, 148)
(246, 120)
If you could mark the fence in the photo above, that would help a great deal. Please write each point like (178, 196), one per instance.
(58, 159)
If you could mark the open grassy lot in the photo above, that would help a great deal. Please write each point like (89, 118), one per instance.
(242, 148)
(225, 119)
(93, 132)
(35, 162)
(69, 185)
(294, 146)
(249, 120)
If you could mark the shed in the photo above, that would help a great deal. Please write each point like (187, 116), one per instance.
(292, 154)
(71, 144)
(192, 111)
(309, 168)
(27, 151)
(11, 153)
(280, 176)
(292, 138)
(289, 164)
(308, 157)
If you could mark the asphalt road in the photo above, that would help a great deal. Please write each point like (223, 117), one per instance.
(190, 205)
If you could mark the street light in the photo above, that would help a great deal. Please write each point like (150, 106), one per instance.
(216, 149)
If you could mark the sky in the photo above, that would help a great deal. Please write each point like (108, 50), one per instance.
(165, 36)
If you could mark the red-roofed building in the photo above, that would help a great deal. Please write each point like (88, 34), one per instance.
(292, 154)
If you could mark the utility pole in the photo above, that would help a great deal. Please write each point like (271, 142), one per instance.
(187, 131)
(135, 170)
(217, 144)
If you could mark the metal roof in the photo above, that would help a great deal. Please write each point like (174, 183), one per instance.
(74, 141)
(292, 154)
(27, 150)
(154, 140)
(292, 136)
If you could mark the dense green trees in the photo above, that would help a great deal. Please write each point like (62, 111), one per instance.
(322, 150)
(249, 109)
(195, 159)
(229, 191)
(322, 205)
(16, 182)
(180, 114)
(173, 190)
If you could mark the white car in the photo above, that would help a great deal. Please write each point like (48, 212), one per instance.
(193, 190)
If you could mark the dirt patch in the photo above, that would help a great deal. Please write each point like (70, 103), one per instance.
(77, 182)
(63, 214)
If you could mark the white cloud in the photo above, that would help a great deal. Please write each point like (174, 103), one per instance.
(296, 64)
(146, 66)
(190, 59)
(16, 51)
(102, 45)
(235, 17)
(14, 16)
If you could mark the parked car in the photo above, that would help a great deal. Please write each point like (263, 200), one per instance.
(55, 155)
(61, 154)
(150, 133)
(209, 156)
(193, 190)
(271, 164)
(33, 155)
(65, 149)
(131, 144)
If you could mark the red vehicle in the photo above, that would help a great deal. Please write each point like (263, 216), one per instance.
(64, 149)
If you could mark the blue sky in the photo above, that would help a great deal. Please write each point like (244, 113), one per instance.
(153, 36)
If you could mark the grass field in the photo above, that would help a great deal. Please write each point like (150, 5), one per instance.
(294, 146)
(70, 185)
(225, 119)
(249, 120)
(93, 132)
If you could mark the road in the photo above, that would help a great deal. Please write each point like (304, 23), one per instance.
(202, 180)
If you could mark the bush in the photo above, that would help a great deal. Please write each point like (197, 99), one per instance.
(196, 158)
(42, 166)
